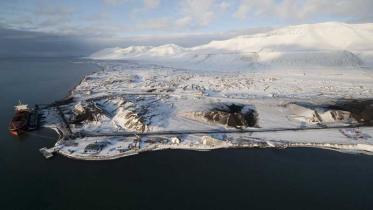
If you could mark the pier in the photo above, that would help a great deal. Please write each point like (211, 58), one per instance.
(66, 124)
(33, 122)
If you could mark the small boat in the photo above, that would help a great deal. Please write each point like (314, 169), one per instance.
(19, 123)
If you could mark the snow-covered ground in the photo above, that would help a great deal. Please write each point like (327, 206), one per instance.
(275, 89)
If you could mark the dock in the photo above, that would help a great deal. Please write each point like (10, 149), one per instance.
(67, 125)
(33, 122)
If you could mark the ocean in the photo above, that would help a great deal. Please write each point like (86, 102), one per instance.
(300, 178)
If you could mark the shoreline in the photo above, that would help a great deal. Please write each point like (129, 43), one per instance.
(342, 148)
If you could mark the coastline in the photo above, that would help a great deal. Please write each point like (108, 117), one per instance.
(344, 146)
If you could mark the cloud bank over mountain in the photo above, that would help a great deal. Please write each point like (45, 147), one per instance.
(80, 27)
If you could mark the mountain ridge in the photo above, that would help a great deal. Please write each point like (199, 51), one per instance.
(324, 44)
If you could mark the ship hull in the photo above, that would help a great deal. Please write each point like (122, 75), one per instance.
(18, 125)
(16, 132)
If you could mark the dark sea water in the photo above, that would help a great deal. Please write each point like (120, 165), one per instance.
(223, 179)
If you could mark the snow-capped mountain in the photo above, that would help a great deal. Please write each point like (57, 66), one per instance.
(120, 53)
(325, 44)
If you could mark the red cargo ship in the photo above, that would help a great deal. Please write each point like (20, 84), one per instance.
(19, 123)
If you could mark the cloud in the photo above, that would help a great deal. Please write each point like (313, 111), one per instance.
(184, 39)
(155, 24)
(134, 17)
(224, 6)
(200, 11)
(183, 22)
(148, 4)
(302, 10)
(192, 14)
(64, 19)
(18, 43)
(113, 2)
(43, 17)
(151, 4)
(164, 24)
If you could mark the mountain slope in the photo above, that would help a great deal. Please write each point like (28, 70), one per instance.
(325, 44)
(323, 36)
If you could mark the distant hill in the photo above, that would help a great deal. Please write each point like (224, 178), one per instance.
(330, 44)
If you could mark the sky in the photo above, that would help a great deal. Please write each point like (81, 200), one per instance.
(78, 27)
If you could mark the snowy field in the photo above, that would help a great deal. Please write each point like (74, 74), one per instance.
(300, 86)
